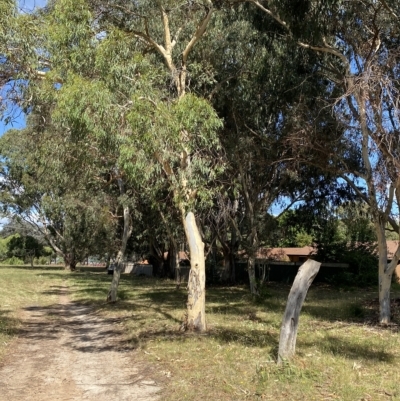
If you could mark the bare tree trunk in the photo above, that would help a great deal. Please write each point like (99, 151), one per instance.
(297, 295)
(108, 260)
(196, 315)
(173, 261)
(251, 268)
(385, 282)
(385, 274)
(112, 294)
(69, 261)
(225, 276)
(229, 273)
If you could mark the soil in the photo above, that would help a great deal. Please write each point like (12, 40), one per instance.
(68, 352)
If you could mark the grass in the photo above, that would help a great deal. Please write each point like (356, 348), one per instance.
(341, 353)
(19, 287)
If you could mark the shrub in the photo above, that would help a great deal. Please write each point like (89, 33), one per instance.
(42, 260)
(13, 261)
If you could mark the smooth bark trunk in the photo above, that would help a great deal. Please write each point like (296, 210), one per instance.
(251, 268)
(172, 262)
(386, 271)
(196, 316)
(157, 258)
(229, 271)
(385, 282)
(297, 295)
(112, 294)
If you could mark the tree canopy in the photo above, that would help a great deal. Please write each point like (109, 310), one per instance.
(197, 118)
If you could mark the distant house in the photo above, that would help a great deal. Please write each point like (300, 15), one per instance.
(285, 254)
(183, 258)
(392, 248)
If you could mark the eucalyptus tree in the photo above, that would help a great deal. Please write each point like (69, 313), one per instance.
(177, 129)
(58, 203)
(357, 48)
(256, 89)
(20, 60)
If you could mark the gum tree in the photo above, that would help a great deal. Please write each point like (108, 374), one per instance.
(357, 48)
(179, 132)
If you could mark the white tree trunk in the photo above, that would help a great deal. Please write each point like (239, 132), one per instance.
(385, 274)
(385, 281)
(196, 304)
(112, 294)
(297, 295)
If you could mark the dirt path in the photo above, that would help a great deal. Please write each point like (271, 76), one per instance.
(66, 352)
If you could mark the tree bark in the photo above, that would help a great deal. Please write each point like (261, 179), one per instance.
(174, 267)
(229, 268)
(157, 258)
(385, 282)
(386, 271)
(112, 294)
(69, 261)
(196, 316)
(297, 295)
(229, 271)
(251, 268)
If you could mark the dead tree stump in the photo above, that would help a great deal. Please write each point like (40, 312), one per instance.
(297, 295)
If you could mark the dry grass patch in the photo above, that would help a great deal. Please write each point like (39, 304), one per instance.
(19, 287)
(341, 353)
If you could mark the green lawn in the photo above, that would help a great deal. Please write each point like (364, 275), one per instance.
(19, 287)
(341, 353)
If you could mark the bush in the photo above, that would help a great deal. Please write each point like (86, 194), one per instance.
(13, 261)
(42, 260)
(363, 265)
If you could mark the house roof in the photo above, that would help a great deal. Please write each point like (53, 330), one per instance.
(182, 255)
(392, 248)
(283, 253)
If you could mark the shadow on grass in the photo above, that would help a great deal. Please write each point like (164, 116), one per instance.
(8, 324)
(160, 299)
(346, 348)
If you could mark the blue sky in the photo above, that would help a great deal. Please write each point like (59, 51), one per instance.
(30, 5)
(18, 120)
(25, 6)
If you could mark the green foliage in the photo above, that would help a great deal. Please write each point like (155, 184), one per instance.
(361, 258)
(13, 261)
(303, 239)
(42, 260)
(70, 37)
(182, 137)
(24, 247)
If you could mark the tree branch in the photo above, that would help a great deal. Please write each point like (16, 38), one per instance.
(198, 34)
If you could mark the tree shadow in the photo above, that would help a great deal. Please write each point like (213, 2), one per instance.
(346, 348)
(8, 324)
(80, 327)
(161, 298)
